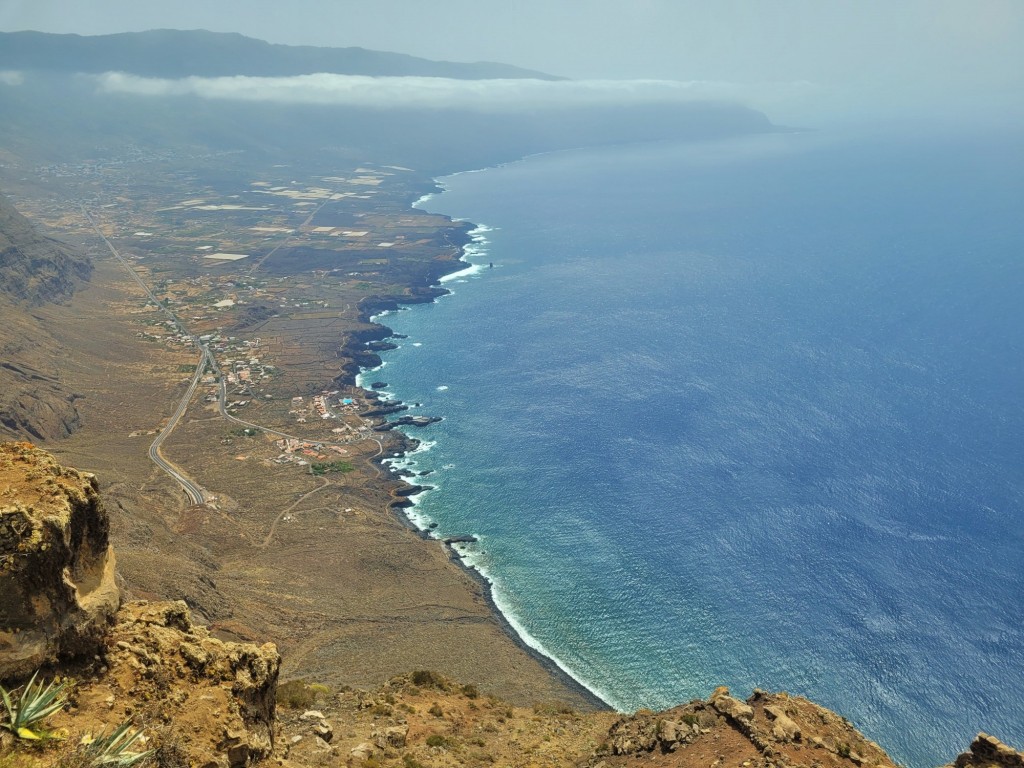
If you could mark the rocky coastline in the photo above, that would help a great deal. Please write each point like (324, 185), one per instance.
(359, 351)
(198, 700)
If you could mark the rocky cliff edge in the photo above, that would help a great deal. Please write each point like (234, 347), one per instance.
(203, 702)
(57, 588)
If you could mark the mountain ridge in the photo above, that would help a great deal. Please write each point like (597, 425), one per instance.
(173, 53)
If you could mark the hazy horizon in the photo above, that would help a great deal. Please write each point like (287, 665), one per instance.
(795, 60)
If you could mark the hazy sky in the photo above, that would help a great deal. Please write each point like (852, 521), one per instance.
(857, 55)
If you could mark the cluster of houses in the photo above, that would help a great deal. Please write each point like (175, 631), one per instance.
(322, 406)
(301, 452)
(174, 336)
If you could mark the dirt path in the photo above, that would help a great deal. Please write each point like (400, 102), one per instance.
(273, 526)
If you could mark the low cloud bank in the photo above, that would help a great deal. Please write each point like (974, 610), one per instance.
(443, 93)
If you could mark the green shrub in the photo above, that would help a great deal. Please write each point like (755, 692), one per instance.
(298, 694)
(437, 740)
(27, 713)
(424, 678)
(435, 710)
(115, 749)
(470, 691)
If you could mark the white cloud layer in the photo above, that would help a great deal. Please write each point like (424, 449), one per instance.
(11, 77)
(443, 93)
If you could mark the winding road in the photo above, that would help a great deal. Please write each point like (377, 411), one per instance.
(196, 494)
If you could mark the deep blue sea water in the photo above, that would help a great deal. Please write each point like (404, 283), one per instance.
(745, 413)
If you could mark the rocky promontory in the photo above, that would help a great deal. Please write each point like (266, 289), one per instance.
(213, 701)
(989, 752)
(59, 613)
(57, 588)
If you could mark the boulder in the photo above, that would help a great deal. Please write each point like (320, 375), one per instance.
(783, 727)
(363, 751)
(734, 709)
(392, 736)
(57, 590)
(989, 751)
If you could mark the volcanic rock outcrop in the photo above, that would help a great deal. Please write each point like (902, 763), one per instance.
(217, 697)
(766, 729)
(57, 588)
(989, 752)
(60, 607)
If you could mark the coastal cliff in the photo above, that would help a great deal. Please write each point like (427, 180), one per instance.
(199, 700)
(298, 548)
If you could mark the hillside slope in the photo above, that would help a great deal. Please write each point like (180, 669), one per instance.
(181, 53)
(35, 271)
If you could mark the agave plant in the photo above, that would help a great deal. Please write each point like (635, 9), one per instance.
(114, 749)
(26, 714)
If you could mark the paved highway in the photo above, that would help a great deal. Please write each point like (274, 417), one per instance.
(196, 495)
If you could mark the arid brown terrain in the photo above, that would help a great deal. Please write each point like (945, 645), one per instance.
(292, 615)
(317, 562)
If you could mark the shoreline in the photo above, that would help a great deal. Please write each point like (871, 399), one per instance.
(368, 360)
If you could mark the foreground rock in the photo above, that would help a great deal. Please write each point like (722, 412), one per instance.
(768, 729)
(989, 752)
(57, 588)
(202, 701)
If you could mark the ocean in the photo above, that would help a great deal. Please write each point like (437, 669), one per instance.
(743, 413)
